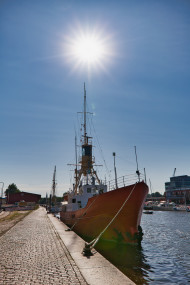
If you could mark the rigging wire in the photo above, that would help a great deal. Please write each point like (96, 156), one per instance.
(124, 159)
(100, 149)
(90, 130)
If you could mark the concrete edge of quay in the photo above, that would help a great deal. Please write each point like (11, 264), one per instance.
(95, 269)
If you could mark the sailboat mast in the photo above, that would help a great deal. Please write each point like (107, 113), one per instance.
(54, 186)
(85, 138)
(54, 183)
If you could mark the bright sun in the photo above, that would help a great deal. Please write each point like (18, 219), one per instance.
(88, 49)
(85, 48)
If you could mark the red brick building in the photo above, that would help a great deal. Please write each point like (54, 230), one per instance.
(23, 196)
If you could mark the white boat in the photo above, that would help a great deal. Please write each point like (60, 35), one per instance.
(164, 206)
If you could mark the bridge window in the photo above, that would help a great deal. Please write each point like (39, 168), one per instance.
(88, 190)
(87, 150)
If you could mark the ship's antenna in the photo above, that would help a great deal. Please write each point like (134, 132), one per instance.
(116, 186)
(76, 149)
(137, 171)
(85, 115)
(76, 174)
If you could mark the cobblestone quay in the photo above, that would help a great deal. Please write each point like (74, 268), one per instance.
(33, 253)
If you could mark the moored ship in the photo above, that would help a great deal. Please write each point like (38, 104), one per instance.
(92, 210)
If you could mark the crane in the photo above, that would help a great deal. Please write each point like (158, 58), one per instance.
(174, 172)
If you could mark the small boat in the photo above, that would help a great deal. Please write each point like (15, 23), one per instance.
(188, 209)
(148, 205)
(148, 212)
(165, 206)
(92, 211)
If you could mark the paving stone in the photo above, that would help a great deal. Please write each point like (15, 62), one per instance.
(33, 253)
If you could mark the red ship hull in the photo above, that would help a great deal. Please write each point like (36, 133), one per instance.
(100, 210)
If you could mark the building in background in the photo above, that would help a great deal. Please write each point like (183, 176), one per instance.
(22, 197)
(178, 189)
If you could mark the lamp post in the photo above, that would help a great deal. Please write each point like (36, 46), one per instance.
(116, 186)
(2, 193)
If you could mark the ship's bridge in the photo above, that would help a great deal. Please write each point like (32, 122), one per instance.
(80, 200)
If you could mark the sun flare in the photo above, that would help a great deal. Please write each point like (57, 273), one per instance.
(88, 49)
(91, 49)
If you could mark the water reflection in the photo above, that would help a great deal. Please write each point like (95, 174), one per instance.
(164, 257)
(130, 259)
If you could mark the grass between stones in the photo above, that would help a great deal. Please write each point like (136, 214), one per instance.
(10, 220)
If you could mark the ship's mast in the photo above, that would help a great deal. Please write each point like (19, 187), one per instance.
(76, 169)
(85, 137)
(86, 160)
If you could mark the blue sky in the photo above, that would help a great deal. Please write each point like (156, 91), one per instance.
(139, 95)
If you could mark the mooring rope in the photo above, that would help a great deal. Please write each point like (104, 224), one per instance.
(91, 245)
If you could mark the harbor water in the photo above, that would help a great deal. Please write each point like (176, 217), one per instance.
(164, 256)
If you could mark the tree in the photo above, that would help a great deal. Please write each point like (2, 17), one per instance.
(43, 200)
(12, 188)
(59, 199)
(156, 195)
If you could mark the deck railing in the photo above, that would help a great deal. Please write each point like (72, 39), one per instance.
(125, 181)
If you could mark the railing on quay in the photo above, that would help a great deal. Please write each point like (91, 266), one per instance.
(125, 181)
